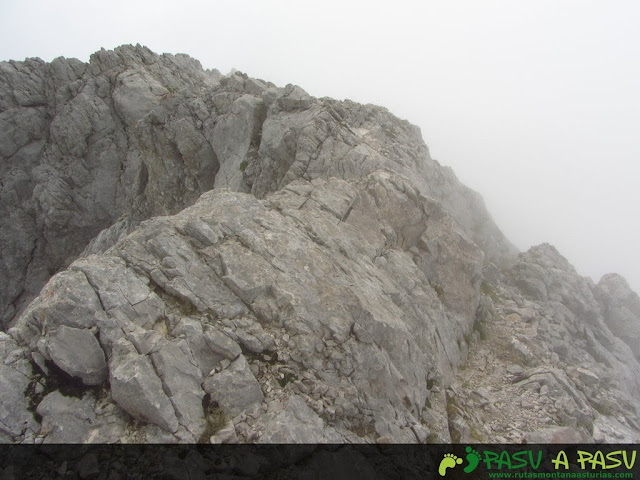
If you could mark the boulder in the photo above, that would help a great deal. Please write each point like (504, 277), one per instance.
(78, 353)
(137, 389)
(235, 388)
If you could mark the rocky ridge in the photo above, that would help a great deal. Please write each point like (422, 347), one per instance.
(193, 257)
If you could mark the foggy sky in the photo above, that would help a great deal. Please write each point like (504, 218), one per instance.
(534, 104)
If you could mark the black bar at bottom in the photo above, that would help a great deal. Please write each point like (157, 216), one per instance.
(226, 462)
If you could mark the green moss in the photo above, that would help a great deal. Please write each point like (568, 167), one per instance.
(603, 409)
(490, 291)
(243, 165)
(54, 379)
(215, 417)
(452, 411)
(481, 328)
(365, 430)
(477, 436)
(452, 408)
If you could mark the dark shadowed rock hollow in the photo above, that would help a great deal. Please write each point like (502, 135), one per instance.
(193, 257)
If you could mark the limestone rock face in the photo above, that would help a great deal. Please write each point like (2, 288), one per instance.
(320, 293)
(78, 353)
(548, 365)
(73, 161)
(16, 421)
(195, 257)
(90, 150)
(136, 388)
(621, 309)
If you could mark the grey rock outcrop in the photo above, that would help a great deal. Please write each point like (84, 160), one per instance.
(16, 372)
(551, 368)
(90, 150)
(279, 282)
(137, 389)
(77, 352)
(72, 165)
(66, 419)
(195, 257)
(235, 389)
(621, 309)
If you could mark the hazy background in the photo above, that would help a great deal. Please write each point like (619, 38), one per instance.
(535, 104)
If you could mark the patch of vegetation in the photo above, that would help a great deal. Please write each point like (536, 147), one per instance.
(34, 397)
(285, 379)
(603, 409)
(270, 358)
(214, 416)
(477, 436)
(175, 304)
(243, 165)
(488, 290)
(365, 429)
(67, 385)
(56, 379)
(452, 408)
(452, 411)
(585, 422)
(564, 420)
(439, 290)
(481, 327)
(185, 307)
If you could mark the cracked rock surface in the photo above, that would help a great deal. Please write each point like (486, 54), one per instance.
(192, 257)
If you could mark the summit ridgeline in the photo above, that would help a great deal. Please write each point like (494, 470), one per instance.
(194, 257)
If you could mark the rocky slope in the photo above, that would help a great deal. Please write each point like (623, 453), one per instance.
(188, 256)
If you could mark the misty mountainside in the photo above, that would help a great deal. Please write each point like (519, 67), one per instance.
(193, 257)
